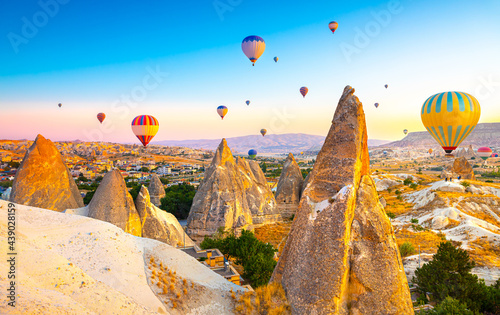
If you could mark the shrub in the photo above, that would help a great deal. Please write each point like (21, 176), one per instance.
(389, 190)
(406, 249)
(413, 220)
(390, 215)
(465, 184)
(451, 306)
(397, 192)
(413, 186)
(178, 200)
(407, 181)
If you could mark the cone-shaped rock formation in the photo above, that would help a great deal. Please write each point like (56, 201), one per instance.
(44, 181)
(234, 195)
(341, 255)
(156, 190)
(113, 203)
(289, 187)
(158, 224)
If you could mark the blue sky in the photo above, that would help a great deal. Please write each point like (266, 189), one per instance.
(92, 56)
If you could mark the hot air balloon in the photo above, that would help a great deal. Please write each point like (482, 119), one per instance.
(276, 59)
(145, 128)
(252, 153)
(303, 91)
(248, 102)
(302, 152)
(253, 47)
(494, 155)
(376, 105)
(450, 117)
(59, 104)
(101, 117)
(263, 132)
(333, 26)
(405, 131)
(386, 86)
(430, 151)
(484, 152)
(222, 111)
(385, 152)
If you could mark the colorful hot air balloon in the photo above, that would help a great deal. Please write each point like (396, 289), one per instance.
(101, 117)
(430, 151)
(222, 111)
(252, 153)
(385, 152)
(253, 47)
(484, 152)
(450, 117)
(59, 104)
(145, 128)
(248, 102)
(376, 105)
(333, 26)
(386, 86)
(263, 132)
(276, 59)
(494, 155)
(405, 131)
(303, 91)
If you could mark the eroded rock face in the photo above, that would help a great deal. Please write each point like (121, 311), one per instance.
(156, 190)
(462, 167)
(341, 256)
(234, 195)
(158, 224)
(289, 187)
(44, 181)
(113, 203)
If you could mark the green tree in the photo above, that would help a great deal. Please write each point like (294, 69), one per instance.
(88, 197)
(450, 306)
(178, 200)
(14, 164)
(407, 181)
(448, 274)
(144, 169)
(163, 180)
(263, 166)
(305, 172)
(134, 191)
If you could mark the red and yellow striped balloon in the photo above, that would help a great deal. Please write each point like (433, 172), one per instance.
(101, 117)
(145, 128)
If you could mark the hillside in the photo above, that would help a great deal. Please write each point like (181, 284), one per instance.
(484, 134)
(272, 143)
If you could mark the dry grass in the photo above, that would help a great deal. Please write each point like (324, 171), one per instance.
(428, 241)
(275, 234)
(269, 299)
(395, 205)
(484, 253)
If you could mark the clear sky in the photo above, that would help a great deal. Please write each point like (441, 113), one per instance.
(179, 60)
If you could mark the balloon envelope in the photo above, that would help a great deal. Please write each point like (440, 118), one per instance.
(253, 47)
(430, 151)
(263, 132)
(145, 128)
(276, 59)
(484, 152)
(450, 117)
(494, 155)
(333, 26)
(252, 153)
(248, 102)
(376, 105)
(59, 104)
(405, 131)
(386, 86)
(222, 111)
(303, 91)
(101, 117)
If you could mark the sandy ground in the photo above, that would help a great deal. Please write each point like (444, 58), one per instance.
(70, 264)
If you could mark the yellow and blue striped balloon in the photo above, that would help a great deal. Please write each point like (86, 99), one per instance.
(450, 117)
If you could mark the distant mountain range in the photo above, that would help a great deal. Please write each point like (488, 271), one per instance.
(284, 143)
(485, 134)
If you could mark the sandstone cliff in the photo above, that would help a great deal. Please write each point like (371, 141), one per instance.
(44, 181)
(158, 224)
(289, 187)
(113, 203)
(234, 195)
(156, 190)
(460, 167)
(341, 256)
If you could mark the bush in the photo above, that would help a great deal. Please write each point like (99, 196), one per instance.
(390, 215)
(407, 181)
(413, 220)
(450, 306)
(406, 249)
(413, 186)
(397, 192)
(389, 190)
(465, 184)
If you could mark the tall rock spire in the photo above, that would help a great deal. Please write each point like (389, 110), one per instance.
(289, 187)
(341, 256)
